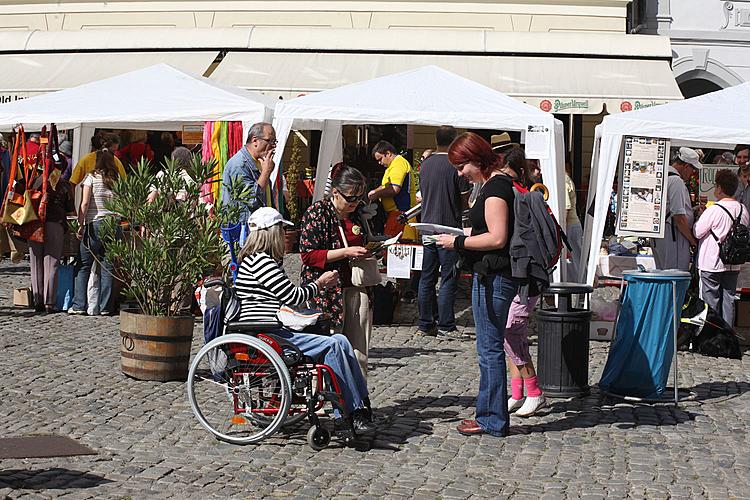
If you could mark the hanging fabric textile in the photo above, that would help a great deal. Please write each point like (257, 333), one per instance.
(221, 141)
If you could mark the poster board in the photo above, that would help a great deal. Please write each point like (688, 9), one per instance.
(192, 134)
(707, 176)
(642, 186)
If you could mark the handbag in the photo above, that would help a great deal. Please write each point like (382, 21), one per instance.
(18, 208)
(27, 220)
(65, 275)
(365, 271)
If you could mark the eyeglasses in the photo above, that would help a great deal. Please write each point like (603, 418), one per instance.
(272, 142)
(351, 198)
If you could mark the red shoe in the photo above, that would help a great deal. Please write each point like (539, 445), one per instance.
(469, 428)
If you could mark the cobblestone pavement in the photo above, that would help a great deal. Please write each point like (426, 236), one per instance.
(60, 375)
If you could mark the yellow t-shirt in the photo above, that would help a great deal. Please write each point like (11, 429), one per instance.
(87, 164)
(396, 174)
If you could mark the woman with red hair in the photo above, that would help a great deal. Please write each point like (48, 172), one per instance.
(486, 252)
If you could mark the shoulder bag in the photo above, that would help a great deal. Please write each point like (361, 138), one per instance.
(365, 271)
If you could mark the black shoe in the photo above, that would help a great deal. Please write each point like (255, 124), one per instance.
(367, 410)
(361, 425)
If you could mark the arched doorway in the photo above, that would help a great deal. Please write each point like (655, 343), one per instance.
(697, 86)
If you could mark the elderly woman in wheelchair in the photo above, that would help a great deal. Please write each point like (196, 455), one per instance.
(270, 375)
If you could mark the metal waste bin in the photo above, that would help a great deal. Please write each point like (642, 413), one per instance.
(563, 333)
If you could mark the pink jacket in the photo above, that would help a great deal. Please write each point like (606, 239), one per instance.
(715, 219)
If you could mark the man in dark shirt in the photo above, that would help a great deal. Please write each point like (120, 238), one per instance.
(444, 195)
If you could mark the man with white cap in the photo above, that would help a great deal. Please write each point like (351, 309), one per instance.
(673, 251)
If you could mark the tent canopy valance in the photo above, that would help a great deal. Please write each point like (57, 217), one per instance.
(425, 96)
(159, 97)
(718, 118)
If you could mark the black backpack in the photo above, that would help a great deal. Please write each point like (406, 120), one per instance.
(735, 249)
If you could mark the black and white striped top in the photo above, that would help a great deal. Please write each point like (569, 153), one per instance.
(263, 288)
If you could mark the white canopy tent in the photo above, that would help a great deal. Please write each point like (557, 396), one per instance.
(425, 96)
(159, 97)
(716, 119)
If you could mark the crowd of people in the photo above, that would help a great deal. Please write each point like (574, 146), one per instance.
(333, 236)
(95, 173)
(695, 231)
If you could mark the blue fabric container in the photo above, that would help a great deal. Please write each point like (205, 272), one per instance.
(64, 299)
(641, 355)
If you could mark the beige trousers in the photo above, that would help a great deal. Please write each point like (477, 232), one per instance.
(358, 323)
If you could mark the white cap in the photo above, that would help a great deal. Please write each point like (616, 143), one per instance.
(690, 156)
(266, 217)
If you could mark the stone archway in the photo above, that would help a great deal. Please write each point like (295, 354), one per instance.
(703, 76)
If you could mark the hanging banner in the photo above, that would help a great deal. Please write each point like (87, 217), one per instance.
(642, 185)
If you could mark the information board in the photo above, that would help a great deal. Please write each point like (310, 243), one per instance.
(643, 180)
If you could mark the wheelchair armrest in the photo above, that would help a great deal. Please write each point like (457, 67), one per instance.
(251, 327)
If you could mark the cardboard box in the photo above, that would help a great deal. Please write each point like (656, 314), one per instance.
(743, 335)
(742, 313)
(602, 330)
(614, 265)
(22, 297)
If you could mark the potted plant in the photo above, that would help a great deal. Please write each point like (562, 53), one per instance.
(161, 246)
(292, 179)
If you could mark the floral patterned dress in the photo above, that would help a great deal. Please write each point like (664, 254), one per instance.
(319, 232)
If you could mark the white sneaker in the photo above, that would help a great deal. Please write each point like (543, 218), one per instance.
(514, 404)
(531, 406)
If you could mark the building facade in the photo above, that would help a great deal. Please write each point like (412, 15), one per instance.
(571, 58)
(710, 41)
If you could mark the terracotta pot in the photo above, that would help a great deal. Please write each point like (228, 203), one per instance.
(155, 347)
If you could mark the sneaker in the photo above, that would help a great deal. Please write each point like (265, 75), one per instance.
(514, 404)
(432, 332)
(76, 312)
(451, 334)
(531, 406)
(360, 424)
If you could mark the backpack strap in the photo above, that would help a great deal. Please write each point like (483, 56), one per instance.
(668, 215)
(734, 221)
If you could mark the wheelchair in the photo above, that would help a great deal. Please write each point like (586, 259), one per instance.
(246, 384)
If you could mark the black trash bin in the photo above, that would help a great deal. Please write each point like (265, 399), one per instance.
(563, 333)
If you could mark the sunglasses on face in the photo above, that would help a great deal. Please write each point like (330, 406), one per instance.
(351, 198)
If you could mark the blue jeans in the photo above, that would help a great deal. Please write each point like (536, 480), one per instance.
(437, 260)
(491, 297)
(91, 246)
(336, 352)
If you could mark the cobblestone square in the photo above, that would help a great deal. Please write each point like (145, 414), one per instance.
(61, 375)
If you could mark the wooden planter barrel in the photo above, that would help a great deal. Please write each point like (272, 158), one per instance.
(155, 347)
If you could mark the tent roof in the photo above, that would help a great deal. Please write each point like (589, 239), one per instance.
(428, 96)
(156, 97)
(719, 117)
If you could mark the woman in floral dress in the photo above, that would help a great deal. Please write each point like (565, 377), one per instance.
(322, 249)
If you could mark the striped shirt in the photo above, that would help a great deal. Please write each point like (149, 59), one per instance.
(263, 288)
(99, 196)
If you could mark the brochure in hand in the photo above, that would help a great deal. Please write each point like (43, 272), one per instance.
(376, 246)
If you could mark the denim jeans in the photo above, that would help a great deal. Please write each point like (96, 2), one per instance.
(92, 247)
(437, 260)
(336, 352)
(491, 297)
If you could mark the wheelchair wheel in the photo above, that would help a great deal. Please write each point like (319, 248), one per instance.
(318, 438)
(239, 389)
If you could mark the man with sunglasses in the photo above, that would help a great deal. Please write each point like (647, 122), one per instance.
(251, 168)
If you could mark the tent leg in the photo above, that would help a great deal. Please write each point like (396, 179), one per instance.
(675, 324)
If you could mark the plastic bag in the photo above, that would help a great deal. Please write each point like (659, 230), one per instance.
(605, 302)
